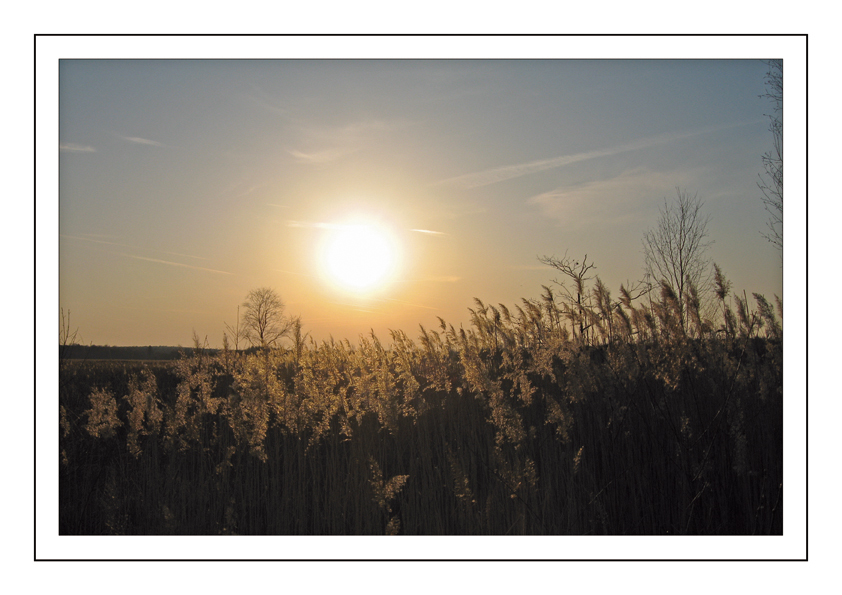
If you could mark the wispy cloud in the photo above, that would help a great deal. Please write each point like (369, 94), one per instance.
(353, 133)
(175, 264)
(142, 141)
(314, 225)
(325, 144)
(319, 157)
(248, 190)
(238, 188)
(74, 148)
(270, 204)
(184, 255)
(172, 310)
(92, 238)
(427, 231)
(95, 241)
(500, 174)
(508, 172)
(96, 235)
(612, 201)
(259, 97)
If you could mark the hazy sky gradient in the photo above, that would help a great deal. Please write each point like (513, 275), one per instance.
(184, 184)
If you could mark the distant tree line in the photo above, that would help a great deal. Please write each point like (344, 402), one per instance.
(150, 352)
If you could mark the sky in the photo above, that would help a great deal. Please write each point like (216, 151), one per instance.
(184, 184)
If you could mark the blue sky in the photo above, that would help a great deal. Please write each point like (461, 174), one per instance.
(184, 184)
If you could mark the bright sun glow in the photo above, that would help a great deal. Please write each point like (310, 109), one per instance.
(359, 257)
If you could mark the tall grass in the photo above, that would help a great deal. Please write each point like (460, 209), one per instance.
(551, 417)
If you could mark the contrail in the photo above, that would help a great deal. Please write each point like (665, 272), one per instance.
(132, 247)
(142, 141)
(74, 148)
(175, 264)
(508, 172)
(436, 233)
(315, 225)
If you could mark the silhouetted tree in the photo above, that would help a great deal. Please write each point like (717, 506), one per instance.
(264, 323)
(576, 299)
(772, 181)
(66, 337)
(676, 250)
(237, 332)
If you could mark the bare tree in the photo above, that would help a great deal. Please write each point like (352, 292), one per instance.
(264, 322)
(578, 301)
(577, 298)
(66, 337)
(676, 250)
(772, 182)
(237, 332)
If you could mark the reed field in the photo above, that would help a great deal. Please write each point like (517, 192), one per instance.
(650, 415)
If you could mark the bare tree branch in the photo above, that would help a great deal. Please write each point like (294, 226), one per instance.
(237, 331)
(771, 182)
(675, 250)
(578, 272)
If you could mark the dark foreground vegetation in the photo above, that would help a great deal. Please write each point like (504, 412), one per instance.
(598, 417)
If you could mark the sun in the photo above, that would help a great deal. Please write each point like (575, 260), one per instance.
(359, 257)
